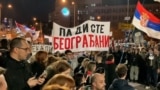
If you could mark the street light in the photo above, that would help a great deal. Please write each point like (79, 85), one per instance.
(9, 6)
(63, 1)
(98, 17)
(34, 18)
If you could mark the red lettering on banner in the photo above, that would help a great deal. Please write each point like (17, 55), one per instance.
(78, 40)
(61, 43)
(91, 40)
(85, 42)
(67, 43)
(107, 41)
(101, 41)
(55, 43)
(72, 39)
(97, 41)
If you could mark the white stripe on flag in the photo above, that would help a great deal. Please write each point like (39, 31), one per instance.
(149, 31)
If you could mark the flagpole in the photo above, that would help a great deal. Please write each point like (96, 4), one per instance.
(41, 33)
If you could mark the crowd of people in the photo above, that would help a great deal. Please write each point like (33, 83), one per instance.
(88, 70)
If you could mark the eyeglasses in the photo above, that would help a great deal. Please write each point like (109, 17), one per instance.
(26, 49)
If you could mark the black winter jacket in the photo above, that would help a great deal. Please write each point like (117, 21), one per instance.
(120, 84)
(17, 74)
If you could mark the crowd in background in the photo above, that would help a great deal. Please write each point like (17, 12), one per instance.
(88, 70)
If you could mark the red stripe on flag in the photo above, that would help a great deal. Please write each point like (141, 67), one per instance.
(152, 17)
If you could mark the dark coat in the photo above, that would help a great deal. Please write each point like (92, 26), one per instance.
(110, 74)
(37, 69)
(17, 74)
(119, 84)
(79, 69)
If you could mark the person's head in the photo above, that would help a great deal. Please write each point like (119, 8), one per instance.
(69, 54)
(110, 58)
(41, 56)
(99, 58)
(19, 49)
(100, 70)
(121, 70)
(57, 54)
(80, 59)
(62, 80)
(55, 87)
(51, 59)
(98, 81)
(150, 50)
(4, 43)
(62, 67)
(85, 62)
(91, 66)
(143, 50)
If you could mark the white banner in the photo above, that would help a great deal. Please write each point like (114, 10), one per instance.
(39, 47)
(89, 36)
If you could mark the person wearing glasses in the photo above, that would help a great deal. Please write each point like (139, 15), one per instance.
(18, 75)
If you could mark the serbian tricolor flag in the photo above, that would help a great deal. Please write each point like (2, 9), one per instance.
(146, 21)
(35, 35)
(24, 29)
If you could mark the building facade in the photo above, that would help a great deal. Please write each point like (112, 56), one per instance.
(83, 10)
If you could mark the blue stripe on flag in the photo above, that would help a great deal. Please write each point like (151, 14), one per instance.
(150, 24)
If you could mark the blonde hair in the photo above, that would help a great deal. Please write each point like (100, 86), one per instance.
(51, 59)
(62, 80)
(41, 56)
(55, 87)
(60, 66)
(90, 66)
(85, 62)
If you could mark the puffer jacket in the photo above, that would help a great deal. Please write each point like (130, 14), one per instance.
(120, 84)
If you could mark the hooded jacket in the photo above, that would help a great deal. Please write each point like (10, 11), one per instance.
(120, 84)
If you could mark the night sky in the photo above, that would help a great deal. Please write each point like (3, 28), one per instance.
(24, 10)
(124, 2)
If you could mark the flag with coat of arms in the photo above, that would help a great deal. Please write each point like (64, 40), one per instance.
(24, 30)
(146, 21)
